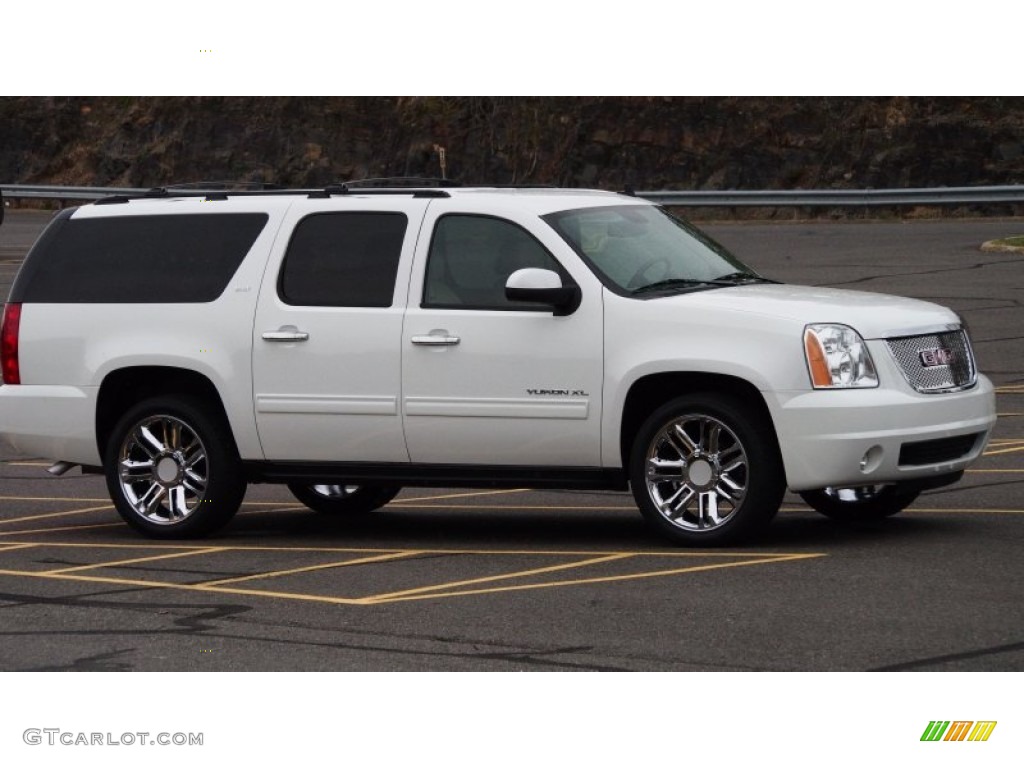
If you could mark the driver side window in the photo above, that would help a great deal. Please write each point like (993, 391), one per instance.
(471, 258)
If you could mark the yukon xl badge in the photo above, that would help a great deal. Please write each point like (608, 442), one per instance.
(565, 392)
(932, 358)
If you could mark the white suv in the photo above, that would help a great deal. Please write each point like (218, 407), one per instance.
(352, 340)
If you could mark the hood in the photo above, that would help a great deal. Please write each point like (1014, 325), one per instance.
(873, 315)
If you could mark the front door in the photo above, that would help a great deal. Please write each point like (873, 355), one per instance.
(491, 381)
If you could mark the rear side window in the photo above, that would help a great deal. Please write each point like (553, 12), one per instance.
(343, 260)
(185, 258)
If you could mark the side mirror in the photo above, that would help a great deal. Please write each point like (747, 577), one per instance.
(543, 286)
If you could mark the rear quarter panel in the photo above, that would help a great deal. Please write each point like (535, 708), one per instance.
(80, 344)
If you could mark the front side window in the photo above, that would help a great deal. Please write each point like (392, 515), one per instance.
(471, 258)
(343, 260)
(638, 249)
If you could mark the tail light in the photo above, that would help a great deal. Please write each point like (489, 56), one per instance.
(11, 373)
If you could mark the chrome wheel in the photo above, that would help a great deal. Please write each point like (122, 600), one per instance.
(862, 493)
(172, 467)
(343, 499)
(335, 491)
(163, 469)
(866, 502)
(696, 472)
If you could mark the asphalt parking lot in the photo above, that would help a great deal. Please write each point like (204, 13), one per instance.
(523, 580)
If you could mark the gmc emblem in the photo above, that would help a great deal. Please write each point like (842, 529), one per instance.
(931, 358)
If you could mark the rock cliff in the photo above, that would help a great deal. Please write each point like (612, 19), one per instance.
(648, 142)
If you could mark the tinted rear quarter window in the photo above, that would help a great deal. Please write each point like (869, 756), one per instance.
(181, 258)
(343, 260)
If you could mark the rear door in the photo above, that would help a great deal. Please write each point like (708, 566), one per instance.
(328, 331)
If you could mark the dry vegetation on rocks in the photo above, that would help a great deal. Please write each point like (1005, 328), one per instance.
(647, 142)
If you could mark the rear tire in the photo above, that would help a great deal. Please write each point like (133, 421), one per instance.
(344, 499)
(868, 502)
(705, 470)
(172, 468)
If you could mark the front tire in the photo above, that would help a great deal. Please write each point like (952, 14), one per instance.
(172, 468)
(705, 470)
(344, 499)
(870, 502)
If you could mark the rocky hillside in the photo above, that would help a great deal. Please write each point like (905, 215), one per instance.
(651, 143)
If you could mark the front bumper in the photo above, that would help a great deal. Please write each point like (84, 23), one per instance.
(825, 436)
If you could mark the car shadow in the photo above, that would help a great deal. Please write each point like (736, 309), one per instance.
(512, 528)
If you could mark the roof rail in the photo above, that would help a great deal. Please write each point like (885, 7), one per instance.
(210, 191)
(347, 189)
(393, 182)
(222, 186)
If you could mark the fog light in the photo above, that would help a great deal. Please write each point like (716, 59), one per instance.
(871, 460)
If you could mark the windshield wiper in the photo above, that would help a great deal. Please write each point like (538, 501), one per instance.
(736, 278)
(731, 279)
(676, 282)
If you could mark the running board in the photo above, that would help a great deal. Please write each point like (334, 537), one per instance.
(437, 475)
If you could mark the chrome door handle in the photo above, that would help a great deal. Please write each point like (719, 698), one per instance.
(436, 340)
(286, 333)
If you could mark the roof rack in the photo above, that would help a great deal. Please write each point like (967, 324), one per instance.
(399, 182)
(418, 186)
(222, 190)
(222, 185)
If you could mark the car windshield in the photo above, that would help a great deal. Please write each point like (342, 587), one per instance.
(645, 251)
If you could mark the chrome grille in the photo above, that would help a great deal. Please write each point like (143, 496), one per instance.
(958, 374)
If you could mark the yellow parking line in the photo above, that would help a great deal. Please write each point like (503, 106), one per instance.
(485, 579)
(283, 595)
(320, 566)
(49, 498)
(62, 528)
(671, 553)
(289, 504)
(275, 508)
(183, 587)
(149, 559)
(55, 514)
(77, 498)
(9, 547)
(1010, 389)
(966, 511)
(28, 463)
(517, 506)
(279, 504)
(995, 471)
(911, 510)
(373, 600)
(1001, 451)
(143, 544)
(594, 580)
(461, 495)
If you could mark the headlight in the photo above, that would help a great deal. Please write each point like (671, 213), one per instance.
(837, 357)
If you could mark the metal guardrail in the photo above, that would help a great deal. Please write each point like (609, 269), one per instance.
(57, 192)
(704, 198)
(841, 197)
